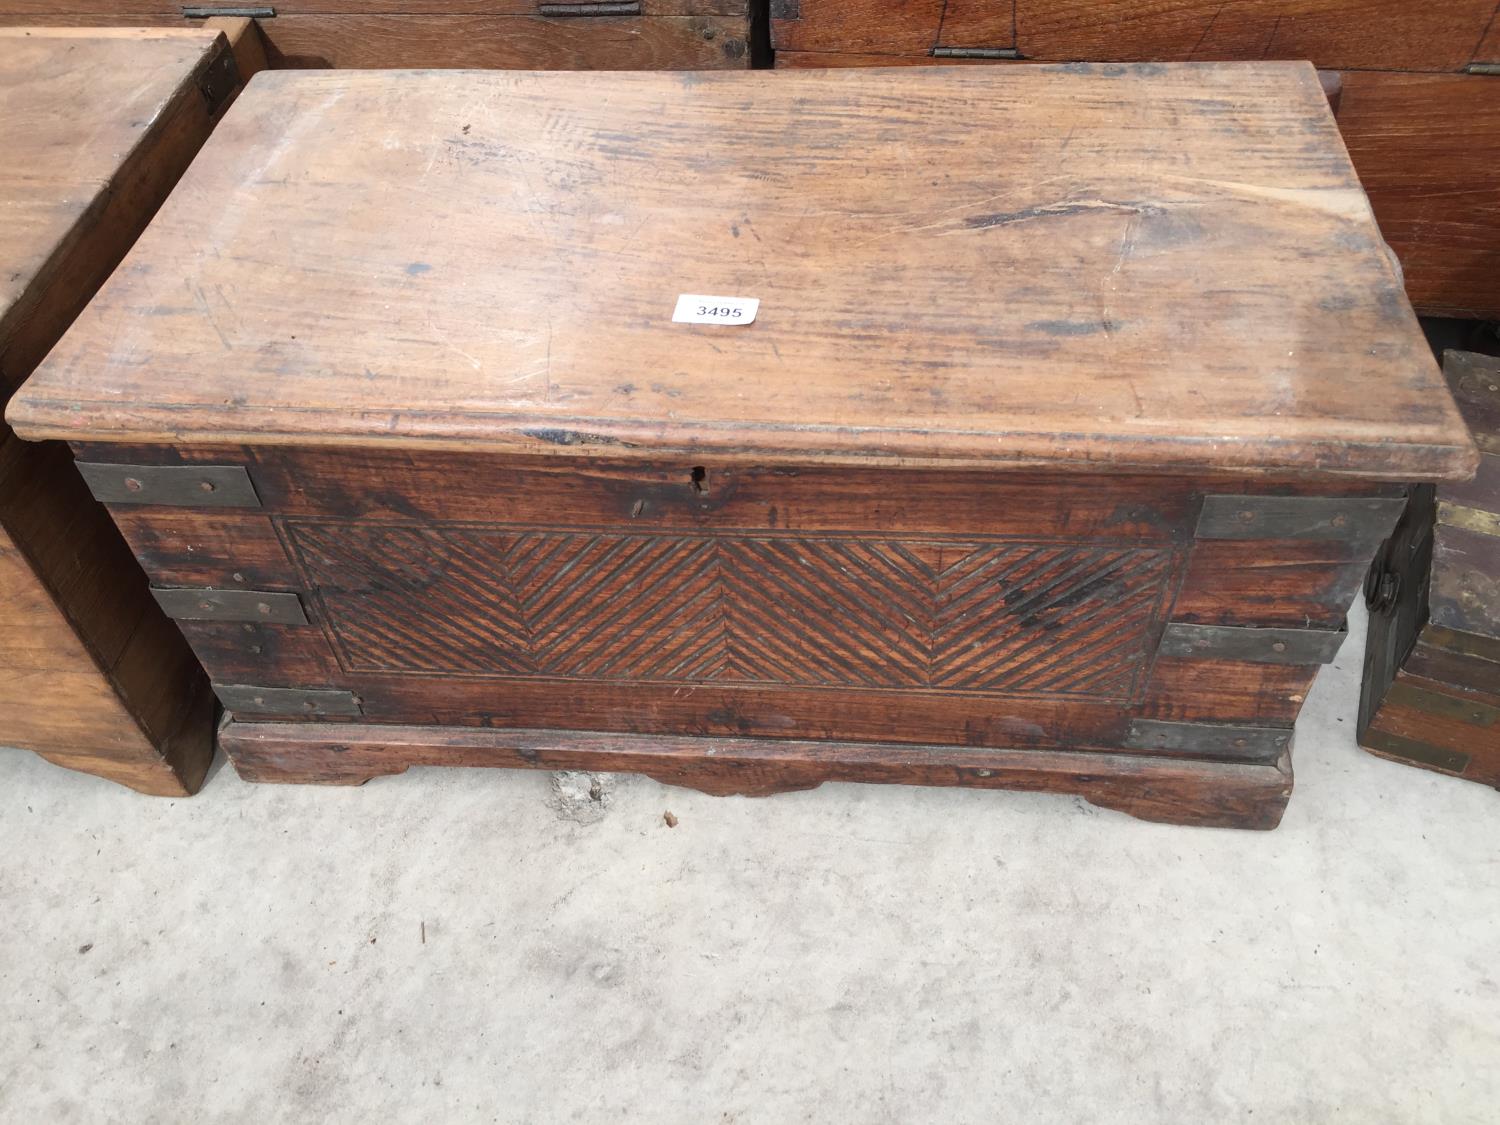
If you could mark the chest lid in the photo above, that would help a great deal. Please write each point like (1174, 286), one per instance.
(1167, 267)
(85, 113)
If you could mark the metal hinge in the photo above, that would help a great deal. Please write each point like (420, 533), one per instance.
(1490, 68)
(218, 82)
(178, 486)
(1252, 644)
(607, 9)
(270, 607)
(246, 699)
(208, 13)
(975, 53)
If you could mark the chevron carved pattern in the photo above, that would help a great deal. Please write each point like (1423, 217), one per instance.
(985, 617)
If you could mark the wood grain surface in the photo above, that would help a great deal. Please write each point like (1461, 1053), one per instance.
(1440, 35)
(1174, 268)
(95, 125)
(1224, 795)
(666, 35)
(1434, 35)
(1427, 147)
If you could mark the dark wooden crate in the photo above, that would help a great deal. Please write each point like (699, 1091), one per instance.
(1431, 693)
(1042, 473)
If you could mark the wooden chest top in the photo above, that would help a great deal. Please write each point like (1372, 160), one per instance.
(80, 113)
(1166, 267)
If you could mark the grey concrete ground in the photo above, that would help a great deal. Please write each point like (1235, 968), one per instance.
(445, 946)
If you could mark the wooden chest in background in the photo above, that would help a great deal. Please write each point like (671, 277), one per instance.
(1420, 108)
(1057, 471)
(95, 128)
(1431, 694)
(529, 34)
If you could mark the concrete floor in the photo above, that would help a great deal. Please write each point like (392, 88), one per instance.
(448, 946)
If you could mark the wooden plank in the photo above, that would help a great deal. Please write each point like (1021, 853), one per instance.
(1176, 791)
(1190, 198)
(1358, 35)
(1436, 35)
(94, 678)
(1426, 147)
(530, 41)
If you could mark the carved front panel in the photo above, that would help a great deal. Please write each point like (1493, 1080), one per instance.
(1001, 617)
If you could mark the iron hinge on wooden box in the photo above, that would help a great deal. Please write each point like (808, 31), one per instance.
(209, 12)
(557, 11)
(975, 53)
(179, 486)
(1489, 68)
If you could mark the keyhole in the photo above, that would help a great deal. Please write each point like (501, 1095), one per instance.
(700, 480)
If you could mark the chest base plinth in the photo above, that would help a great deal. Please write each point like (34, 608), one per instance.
(1171, 791)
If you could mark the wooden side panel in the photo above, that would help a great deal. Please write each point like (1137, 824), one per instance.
(1365, 34)
(1426, 148)
(480, 41)
(95, 678)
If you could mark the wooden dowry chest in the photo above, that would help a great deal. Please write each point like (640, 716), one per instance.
(1051, 472)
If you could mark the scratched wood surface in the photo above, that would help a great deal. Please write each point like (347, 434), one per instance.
(95, 126)
(1436, 35)
(663, 34)
(1173, 268)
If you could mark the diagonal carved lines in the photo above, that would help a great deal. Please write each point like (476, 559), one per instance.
(992, 618)
(416, 600)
